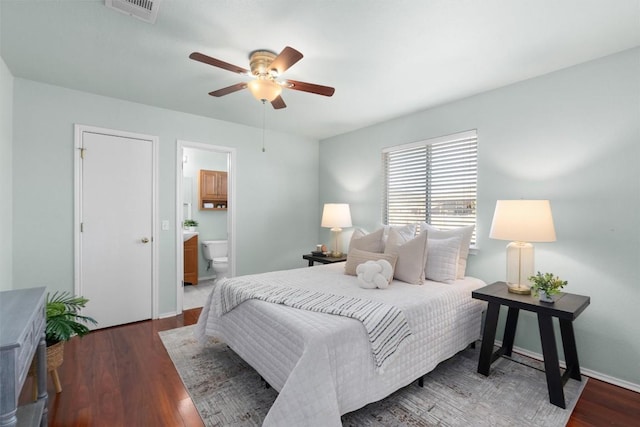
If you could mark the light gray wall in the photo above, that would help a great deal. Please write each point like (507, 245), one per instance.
(6, 203)
(573, 137)
(212, 225)
(277, 191)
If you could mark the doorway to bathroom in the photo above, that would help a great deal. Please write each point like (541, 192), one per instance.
(205, 213)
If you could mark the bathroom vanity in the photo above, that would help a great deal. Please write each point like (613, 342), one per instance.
(190, 251)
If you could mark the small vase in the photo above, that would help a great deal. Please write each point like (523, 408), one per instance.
(544, 297)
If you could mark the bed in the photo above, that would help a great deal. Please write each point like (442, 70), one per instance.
(322, 364)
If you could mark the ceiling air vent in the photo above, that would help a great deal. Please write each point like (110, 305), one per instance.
(145, 10)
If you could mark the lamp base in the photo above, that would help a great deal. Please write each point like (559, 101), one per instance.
(519, 267)
(516, 288)
(335, 250)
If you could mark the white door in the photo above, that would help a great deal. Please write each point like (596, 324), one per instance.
(116, 227)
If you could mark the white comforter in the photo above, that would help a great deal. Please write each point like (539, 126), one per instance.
(322, 364)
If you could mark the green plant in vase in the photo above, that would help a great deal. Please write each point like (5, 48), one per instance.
(189, 224)
(64, 321)
(546, 285)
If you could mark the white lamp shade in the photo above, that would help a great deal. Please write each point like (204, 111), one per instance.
(336, 215)
(264, 89)
(523, 221)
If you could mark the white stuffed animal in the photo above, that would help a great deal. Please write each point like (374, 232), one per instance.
(374, 274)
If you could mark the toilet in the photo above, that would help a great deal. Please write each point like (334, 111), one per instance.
(215, 252)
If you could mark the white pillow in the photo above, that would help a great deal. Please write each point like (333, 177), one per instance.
(355, 257)
(407, 231)
(412, 256)
(442, 259)
(371, 242)
(465, 234)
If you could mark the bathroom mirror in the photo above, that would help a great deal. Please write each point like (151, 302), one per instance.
(186, 211)
(187, 189)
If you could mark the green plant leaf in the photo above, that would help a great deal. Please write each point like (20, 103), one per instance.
(64, 318)
(547, 282)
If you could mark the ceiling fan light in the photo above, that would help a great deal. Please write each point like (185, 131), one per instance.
(263, 89)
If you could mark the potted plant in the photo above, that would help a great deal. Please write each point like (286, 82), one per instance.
(190, 224)
(63, 322)
(546, 285)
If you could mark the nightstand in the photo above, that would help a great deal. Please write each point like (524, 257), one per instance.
(322, 259)
(567, 307)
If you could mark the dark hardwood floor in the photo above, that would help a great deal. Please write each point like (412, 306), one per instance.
(603, 404)
(123, 376)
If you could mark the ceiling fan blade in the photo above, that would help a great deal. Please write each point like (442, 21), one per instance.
(278, 103)
(285, 59)
(309, 87)
(197, 56)
(229, 89)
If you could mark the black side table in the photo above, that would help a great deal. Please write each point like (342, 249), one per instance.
(567, 307)
(322, 259)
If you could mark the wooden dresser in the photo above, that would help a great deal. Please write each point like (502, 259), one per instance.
(22, 324)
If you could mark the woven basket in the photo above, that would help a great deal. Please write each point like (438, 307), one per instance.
(55, 357)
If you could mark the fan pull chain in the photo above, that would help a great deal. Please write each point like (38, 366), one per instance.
(263, 120)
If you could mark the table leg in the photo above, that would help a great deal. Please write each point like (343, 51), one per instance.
(310, 263)
(510, 331)
(41, 375)
(551, 364)
(570, 351)
(488, 338)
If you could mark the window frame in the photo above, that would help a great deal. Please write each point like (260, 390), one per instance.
(465, 169)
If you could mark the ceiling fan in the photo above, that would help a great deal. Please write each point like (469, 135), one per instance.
(266, 68)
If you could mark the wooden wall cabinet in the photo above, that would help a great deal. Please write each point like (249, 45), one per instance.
(190, 248)
(213, 190)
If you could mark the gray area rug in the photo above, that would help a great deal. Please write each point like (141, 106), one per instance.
(228, 392)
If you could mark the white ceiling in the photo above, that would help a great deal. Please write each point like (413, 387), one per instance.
(386, 58)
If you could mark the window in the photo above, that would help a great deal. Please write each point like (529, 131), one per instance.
(434, 181)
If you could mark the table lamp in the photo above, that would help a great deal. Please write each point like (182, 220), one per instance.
(336, 216)
(522, 221)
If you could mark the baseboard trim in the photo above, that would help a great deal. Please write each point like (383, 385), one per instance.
(588, 372)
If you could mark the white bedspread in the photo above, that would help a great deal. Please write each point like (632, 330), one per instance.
(386, 326)
(322, 364)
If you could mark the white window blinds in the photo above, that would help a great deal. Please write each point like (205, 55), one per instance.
(434, 181)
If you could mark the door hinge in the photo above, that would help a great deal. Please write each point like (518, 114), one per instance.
(81, 227)
(82, 150)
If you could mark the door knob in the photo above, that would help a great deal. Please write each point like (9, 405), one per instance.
(145, 240)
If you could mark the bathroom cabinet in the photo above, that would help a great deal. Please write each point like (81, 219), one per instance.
(213, 190)
(190, 249)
